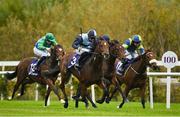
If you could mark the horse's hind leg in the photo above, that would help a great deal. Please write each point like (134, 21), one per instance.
(26, 81)
(20, 79)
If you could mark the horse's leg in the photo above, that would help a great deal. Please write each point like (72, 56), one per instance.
(26, 81)
(64, 77)
(117, 85)
(20, 78)
(47, 95)
(83, 94)
(105, 92)
(142, 93)
(108, 99)
(126, 91)
(53, 87)
(90, 99)
(76, 97)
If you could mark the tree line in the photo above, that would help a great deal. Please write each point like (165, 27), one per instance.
(23, 22)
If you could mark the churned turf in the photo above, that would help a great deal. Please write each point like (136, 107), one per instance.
(33, 108)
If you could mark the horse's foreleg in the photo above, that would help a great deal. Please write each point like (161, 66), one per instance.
(90, 99)
(53, 87)
(47, 95)
(83, 94)
(142, 93)
(105, 92)
(117, 85)
(126, 91)
(62, 87)
(108, 99)
(76, 97)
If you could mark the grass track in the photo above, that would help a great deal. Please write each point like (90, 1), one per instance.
(32, 108)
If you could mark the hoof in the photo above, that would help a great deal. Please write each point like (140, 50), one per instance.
(66, 105)
(94, 106)
(100, 101)
(107, 100)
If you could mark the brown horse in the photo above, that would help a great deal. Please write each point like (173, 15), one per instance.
(23, 78)
(116, 52)
(90, 73)
(135, 75)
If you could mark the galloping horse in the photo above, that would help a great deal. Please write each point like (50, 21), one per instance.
(116, 52)
(136, 76)
(23, 78)
(90, 73)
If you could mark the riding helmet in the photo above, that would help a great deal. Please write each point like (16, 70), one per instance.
(50, 37)
(136, 39)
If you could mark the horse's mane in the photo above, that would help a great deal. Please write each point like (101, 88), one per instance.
(140, 56)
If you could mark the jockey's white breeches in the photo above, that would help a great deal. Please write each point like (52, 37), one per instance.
(41, 53)
(131, 55)
(81, 50)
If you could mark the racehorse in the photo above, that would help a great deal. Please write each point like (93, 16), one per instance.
(90, 73)
(23, 78)
(135, 76)
(116, 52)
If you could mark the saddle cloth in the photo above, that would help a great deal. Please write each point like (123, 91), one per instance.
(74, 60)
(31, 70)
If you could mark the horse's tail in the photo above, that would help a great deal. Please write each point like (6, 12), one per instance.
(11, 76)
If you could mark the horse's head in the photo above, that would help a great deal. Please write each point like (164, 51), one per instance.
(150, 59)
(116, 49)
(102, 47)
(57, 52)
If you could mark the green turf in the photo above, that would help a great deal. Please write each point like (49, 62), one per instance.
(33, 108)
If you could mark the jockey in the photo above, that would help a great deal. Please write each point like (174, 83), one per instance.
(42, 48)
(84, 43)
(133, 47)
(106, 38)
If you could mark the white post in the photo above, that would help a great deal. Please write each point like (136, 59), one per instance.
(48, 102)
(93, 93)
(151, 92)
(168, 89)
(3, 68)
(36, 92)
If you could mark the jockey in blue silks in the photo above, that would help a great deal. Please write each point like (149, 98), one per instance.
(84, 44)
(133, 47)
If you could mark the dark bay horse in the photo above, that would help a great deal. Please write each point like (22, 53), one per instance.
(21, 72)
(135, 75)
(90, 73)
(116, 52)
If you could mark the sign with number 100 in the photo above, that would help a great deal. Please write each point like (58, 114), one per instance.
(169, 59)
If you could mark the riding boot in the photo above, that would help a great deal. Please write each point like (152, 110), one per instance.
(39, 62)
